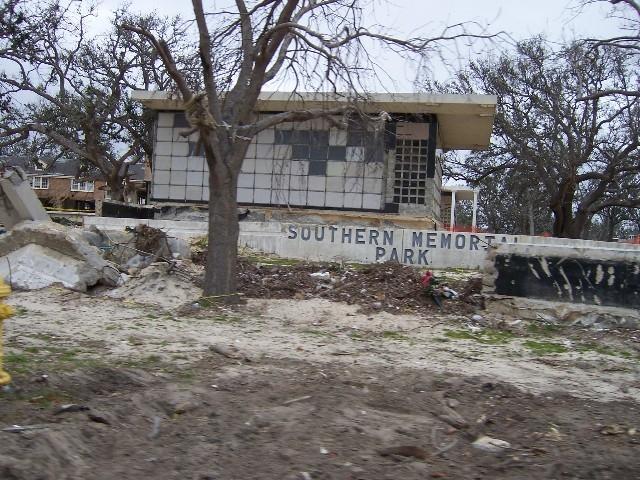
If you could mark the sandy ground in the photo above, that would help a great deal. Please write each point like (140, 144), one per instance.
(218, 387)
(309, 330)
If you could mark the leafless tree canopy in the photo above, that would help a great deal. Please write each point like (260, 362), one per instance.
(67, 93)
(572, 158)
(627, 43)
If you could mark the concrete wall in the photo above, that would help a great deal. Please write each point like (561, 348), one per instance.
(302, 164)
(604, 275)
(436, 249)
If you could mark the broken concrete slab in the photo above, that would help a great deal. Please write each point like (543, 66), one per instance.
(18, 202)
(33, 267)
(36, 254)
(563, 313)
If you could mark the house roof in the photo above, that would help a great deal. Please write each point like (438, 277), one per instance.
(465, 121)
(63, 167)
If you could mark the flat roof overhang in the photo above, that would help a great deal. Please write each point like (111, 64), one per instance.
(465, 121)
(462, 192)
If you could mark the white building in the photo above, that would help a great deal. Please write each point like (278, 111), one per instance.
(393, 169)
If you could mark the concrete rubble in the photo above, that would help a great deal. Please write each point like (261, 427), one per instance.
(38, 254)
(18, 202)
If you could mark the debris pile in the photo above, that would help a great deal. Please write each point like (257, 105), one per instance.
(389, 287)
(136, 248)
(150, 239)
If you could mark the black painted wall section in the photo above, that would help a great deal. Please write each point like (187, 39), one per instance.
(587, 281)
(433, 141)
(123, 210)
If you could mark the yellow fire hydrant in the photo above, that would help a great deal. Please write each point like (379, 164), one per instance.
(5, 312)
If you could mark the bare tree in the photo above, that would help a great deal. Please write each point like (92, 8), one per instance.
(627, 43)
(315, 44)
(69, 93)
(583, 157)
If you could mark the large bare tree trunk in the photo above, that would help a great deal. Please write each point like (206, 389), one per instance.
(116, 188)
(566, 225)
(222, 251)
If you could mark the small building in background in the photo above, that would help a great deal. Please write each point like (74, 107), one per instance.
(451, 196)
(390, 168)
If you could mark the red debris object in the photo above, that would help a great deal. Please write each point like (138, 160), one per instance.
(426, 278)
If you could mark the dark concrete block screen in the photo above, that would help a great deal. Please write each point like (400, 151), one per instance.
(587, 281)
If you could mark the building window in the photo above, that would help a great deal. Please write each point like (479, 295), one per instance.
(410, 172)
(39, 183)
(82, 205)
(81, 185)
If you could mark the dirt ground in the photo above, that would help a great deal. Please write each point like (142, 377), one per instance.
(306, 387)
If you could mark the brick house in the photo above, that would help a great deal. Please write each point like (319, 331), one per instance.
(61, 185)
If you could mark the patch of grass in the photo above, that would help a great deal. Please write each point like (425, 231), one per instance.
(544, 348)
(486, 337)
(43, 336)
(356, 266)
(605, 350)
(357, 336)
(226, 319)
(68, 356)
(457, 270)
(271, 260)
(543, 329)
(185, 374)
(393, 335)
(317, 333)
(148, 362)
(16, 359)
(20, 311)
(461, 335)
(17, 363)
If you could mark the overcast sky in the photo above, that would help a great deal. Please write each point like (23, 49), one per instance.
(559, 20)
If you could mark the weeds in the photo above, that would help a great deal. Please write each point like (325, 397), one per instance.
(544, 348)
(486, 337)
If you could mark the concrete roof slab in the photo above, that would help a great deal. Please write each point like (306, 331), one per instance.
(465, 121)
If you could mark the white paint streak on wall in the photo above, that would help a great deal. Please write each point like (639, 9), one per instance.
(612, 276)
(545, 266)
(534, 271)
(599, 274)
(567, 283)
